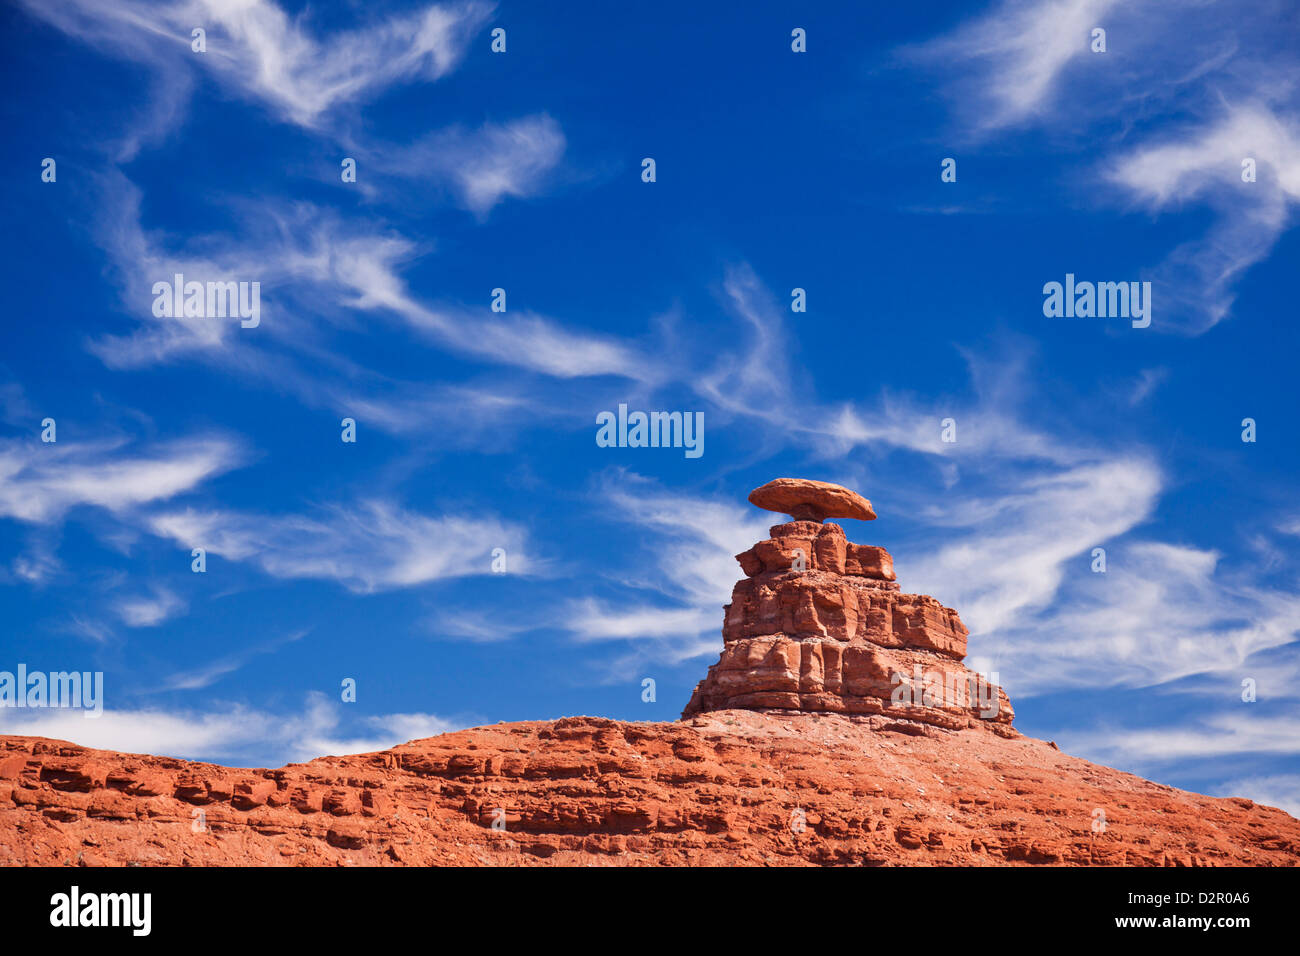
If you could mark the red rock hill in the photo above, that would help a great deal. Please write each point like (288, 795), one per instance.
(730, 787)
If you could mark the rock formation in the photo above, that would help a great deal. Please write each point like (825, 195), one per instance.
(806, 500)
(819, 624)
(822, 736)
(727, 788)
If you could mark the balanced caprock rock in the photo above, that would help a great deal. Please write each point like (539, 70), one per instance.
(819, 624)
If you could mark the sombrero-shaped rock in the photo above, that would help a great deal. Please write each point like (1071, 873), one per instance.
(807, 500)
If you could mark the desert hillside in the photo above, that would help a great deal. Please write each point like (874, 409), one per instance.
(728, 788)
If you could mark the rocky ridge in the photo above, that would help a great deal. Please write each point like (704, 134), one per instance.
(725, 788)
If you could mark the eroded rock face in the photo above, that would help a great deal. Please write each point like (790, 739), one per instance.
(726, 788)
(820, 624)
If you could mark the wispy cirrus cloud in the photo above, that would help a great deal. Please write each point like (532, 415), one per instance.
(1222, 734)
(255, 49)
(1161, 613)
(482, 166)
(208, 674)
(372, 546)
(1173, 122)
(38, 565)
(1280, 790)
(666, 608)
(232, 733)
(1204, 164)
(595, 621)
(755, 378)
(310, 263)
(40, 483)
(1013, 56)
(1004, 554)
(45, 485)
(151, 609)
(759, 382)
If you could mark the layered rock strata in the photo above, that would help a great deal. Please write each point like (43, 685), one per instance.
(820, 624)
(830, 732)
(727, 788)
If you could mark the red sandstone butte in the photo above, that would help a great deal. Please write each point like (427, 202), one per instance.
(820, 624)
(839, 727)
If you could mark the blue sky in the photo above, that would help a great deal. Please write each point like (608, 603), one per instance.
(476, 430)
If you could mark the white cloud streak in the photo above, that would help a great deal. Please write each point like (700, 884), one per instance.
(40, 483)
(1223, 93)
(1272, 790)
(482, 166)
(231, 733)
(149, 610)
(1013, 57)
(257, 51)
(372, 546)
(310, 264)
(1204, 163)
